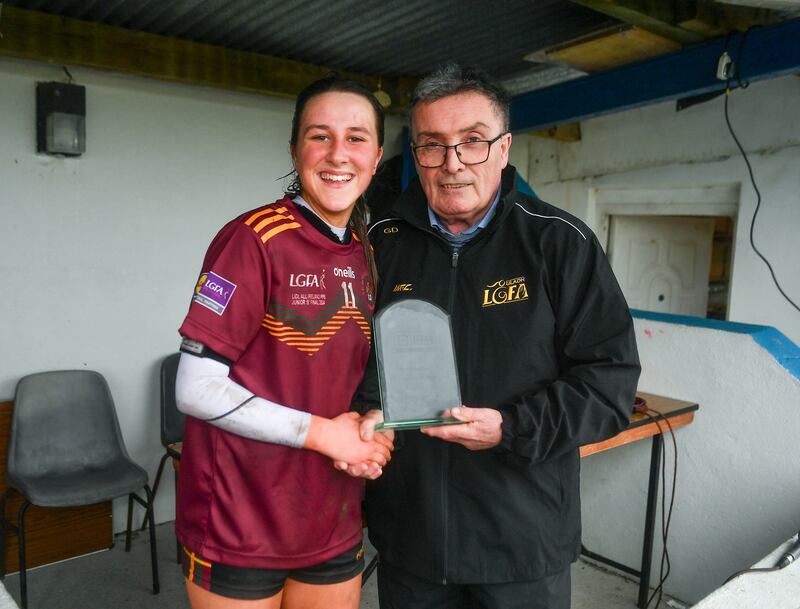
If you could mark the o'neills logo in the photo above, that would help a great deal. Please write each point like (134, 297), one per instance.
(505, 291)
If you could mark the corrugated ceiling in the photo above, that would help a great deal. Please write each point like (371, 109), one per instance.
(388, 38)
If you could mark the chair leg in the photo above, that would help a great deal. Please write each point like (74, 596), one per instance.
(148, 505)
(23, 578)
(159, 471)
(3, 533)
(370, 568)
(177, 543)
(130, 522)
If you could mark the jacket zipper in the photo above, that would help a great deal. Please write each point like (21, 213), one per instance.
(445, 446)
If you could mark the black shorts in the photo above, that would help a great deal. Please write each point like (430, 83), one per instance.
(252, 584)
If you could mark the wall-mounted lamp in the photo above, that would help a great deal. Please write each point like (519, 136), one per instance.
(60, 118)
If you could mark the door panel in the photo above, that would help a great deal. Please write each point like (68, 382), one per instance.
(662, 262)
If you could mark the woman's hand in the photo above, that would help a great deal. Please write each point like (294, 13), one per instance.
(342, 440)
(368, 469)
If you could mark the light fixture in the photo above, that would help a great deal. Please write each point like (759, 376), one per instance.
(60, 118)
(382, 96)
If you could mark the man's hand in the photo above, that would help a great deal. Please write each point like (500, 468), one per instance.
(369, 469)
(480, 428)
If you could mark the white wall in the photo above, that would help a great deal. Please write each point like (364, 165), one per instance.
(656, 148)
(737, 493)
(99, 254)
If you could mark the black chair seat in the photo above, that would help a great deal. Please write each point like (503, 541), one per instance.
(86, 487)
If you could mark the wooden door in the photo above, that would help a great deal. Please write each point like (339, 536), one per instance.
(662, 262)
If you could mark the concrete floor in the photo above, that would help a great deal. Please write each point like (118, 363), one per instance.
(116, 580)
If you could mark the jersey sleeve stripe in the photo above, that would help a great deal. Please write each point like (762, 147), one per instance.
(267, 221)
(277, 230)
(264, 212)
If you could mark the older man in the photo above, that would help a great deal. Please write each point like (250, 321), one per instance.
(487, 513)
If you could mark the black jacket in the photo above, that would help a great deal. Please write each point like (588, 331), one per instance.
(543, 334)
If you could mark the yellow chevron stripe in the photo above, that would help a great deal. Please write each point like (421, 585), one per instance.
(311, 344)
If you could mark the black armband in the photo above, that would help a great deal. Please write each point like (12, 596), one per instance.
(194, 347)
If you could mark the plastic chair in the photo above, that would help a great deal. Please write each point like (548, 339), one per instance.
(66, 449)
(172, 421)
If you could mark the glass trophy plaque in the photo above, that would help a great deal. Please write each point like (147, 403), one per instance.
(416, 365)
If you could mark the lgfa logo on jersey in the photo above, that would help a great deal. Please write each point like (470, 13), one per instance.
(213, 292)
(505, 291)
(307, 280)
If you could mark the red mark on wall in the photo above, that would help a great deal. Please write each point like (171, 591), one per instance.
(648, 334)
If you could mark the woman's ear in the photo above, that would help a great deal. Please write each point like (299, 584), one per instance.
(378, 160)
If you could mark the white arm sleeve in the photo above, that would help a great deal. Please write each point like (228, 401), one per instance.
(203, 390)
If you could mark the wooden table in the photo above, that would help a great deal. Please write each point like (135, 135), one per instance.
(679, 414)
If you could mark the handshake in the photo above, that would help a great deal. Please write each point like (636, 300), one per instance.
(355, 447)
(351, 441)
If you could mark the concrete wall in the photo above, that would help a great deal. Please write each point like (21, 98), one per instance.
(737, 491)
(99, 254)
(666, 154)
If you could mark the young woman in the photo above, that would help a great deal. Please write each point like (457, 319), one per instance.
(275, 343)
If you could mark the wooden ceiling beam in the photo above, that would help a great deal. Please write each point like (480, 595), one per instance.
(657, 16)
(38, 36)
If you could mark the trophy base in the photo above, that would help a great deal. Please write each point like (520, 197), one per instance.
(416, 423)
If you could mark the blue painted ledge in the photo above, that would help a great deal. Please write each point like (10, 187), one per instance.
(785, 352)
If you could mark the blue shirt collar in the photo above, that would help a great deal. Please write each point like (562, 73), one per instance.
(472, 230)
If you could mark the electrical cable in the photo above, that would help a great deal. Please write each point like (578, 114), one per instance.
(666, 513)
(785, 560)
(657, 418)
(744, 84)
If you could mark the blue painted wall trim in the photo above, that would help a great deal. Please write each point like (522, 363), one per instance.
(524, 187)
(780, 346)
(409, 169)
(766, 53)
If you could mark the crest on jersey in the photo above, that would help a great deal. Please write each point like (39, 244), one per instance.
(213, 292)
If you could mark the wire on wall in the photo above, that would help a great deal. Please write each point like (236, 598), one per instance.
(743, 84)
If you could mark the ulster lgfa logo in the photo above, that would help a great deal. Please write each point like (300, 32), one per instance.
(505, 291)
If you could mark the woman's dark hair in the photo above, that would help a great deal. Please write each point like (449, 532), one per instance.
(333, 84)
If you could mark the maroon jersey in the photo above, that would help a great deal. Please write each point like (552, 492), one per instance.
(291, 309)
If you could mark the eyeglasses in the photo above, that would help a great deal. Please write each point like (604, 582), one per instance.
(469, 153)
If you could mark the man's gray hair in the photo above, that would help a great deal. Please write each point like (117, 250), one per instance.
(451, 78)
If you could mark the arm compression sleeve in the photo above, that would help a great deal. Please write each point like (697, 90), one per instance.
(204, 390)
